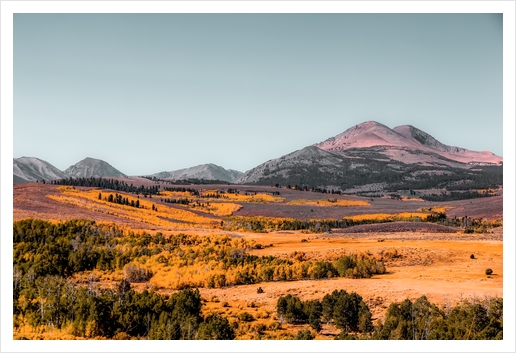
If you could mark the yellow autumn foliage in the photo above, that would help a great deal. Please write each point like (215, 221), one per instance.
(176, 194)
(149, 212)
(438, 209)
(254, 198)
(406, 198)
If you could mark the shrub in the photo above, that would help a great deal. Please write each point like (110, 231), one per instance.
(137, 273)
(275, 326)
(258, 328)
(122, 336)
(215, 327)
(489, 271)
(245, 316)
(259, 290)
(472, 256)
(304, 335)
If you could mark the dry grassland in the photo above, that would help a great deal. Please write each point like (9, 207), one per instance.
(432, 264)
(440, 269)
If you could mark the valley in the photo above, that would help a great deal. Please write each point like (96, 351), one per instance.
(375, 233)
(421, 258)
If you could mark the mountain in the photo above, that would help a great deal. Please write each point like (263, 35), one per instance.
(367, 134)
(204, 171)
(455, 153)
(296, 168)
(405, 144)
(371, 157)
(91, 167)
(27, 169)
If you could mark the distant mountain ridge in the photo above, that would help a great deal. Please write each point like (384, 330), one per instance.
(373, 157)
(91, 167)
(208, 171)
(28, 169)
(31, 169)
(376, 136)
(368, 156)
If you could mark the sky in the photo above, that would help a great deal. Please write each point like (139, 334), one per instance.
(159, 92)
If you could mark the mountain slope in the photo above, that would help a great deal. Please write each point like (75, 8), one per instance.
(309, 165)
(204, 171)
(367, 134)
(373, 158)
(26, 169)
(91, 167)
(405, 144)
(462, 155)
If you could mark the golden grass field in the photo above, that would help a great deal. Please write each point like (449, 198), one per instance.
(433, 264)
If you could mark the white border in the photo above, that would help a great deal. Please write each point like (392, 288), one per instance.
(10, 7)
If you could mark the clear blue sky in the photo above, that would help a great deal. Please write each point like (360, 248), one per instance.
(155, 92)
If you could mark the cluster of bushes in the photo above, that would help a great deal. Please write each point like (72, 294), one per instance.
(418, 320)
(422, 320)
(456, 195)
(41, 248)
(250, 269)
(181, 201)
(265, 224)
(121, 312)
(120, 200)
(261, 224)
(346, 310)
(112, 184)
(193, 192)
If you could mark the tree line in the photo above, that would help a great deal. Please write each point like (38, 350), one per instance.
(117, 313)
(112, 184)
(409, 320)
(266, 224)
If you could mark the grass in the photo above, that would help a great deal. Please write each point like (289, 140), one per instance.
(164, 216)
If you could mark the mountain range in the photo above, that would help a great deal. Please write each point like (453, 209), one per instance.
(402, 143)
(27, 169)
(369, 156)
(31, 169)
